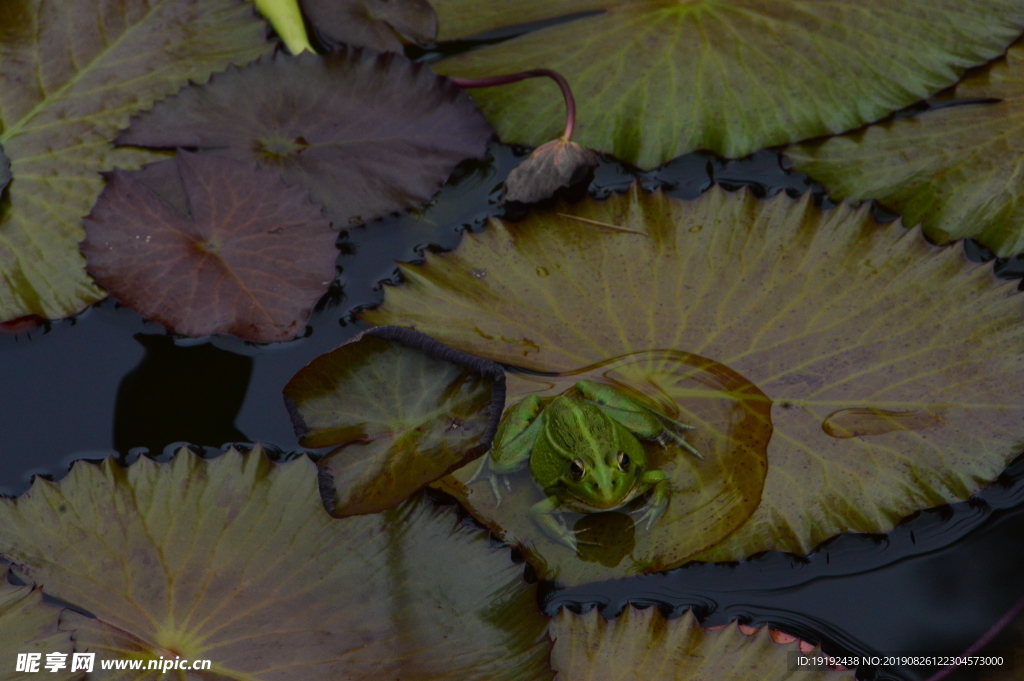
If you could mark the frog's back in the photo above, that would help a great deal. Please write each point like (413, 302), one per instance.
(573, 429)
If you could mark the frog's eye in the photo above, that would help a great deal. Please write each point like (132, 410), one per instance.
(577, 470)
(624, 461)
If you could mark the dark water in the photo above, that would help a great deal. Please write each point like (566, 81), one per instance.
(107, 381)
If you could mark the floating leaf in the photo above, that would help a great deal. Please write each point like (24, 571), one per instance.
(658, 79)
(379, 24)
(250, 257)
(820, 311)
(234, 560)
(642, 644)
(957, 170)
(710, 498)
(71, 79)
(558, 163)
(405, 417)
(28, 625)
(366, 134)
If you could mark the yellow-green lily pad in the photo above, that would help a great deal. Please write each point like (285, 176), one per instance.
(29, 627)
(642, 644)
(655, 79)
(234, 560)
(892, 366)
(72, 78)
(958, 170)
(404, 415)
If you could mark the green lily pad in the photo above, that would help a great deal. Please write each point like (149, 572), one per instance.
(29, 626)
(235, 560)
(379, 24)
(366, 134)
(248, 255)
(71, 80)
(404, 417)
(892, 365)
(642, 644)
(957, 170)
(656, 79)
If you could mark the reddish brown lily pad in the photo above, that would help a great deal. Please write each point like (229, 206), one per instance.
(380, 24)
(558, 163)
(366, 134)
(250, 257)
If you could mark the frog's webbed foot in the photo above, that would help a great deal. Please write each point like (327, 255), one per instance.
(669, 435)
(492, 478)
(654, 508)
(549, 519)
(651, 512)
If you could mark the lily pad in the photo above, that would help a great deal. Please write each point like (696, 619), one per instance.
(249, 256)
(28, 625)
(71, 80)
(234, 560)
(405, 413)
(378, 24)
(710, 498)
(366, 134)
(892, 366)
(658, 79)
(956, 169)
(642, 644)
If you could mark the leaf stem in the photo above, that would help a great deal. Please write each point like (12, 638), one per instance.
(980, 644)
(570, 102)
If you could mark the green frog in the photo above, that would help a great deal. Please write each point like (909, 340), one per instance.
(584, 452)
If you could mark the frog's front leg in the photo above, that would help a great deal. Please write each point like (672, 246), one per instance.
(546, 514)
(659, 496)
(636, 417)
(513, 443)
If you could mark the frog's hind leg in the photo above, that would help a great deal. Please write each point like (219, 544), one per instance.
(636, 417)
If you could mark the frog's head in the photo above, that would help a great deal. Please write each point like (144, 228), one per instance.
(589, 456)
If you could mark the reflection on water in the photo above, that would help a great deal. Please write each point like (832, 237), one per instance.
(605, 538)
(180, 393)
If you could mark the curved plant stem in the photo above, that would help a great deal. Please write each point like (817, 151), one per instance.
(570, 102)
(980, 644)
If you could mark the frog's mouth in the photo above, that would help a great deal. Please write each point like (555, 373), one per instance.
(578, 505)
